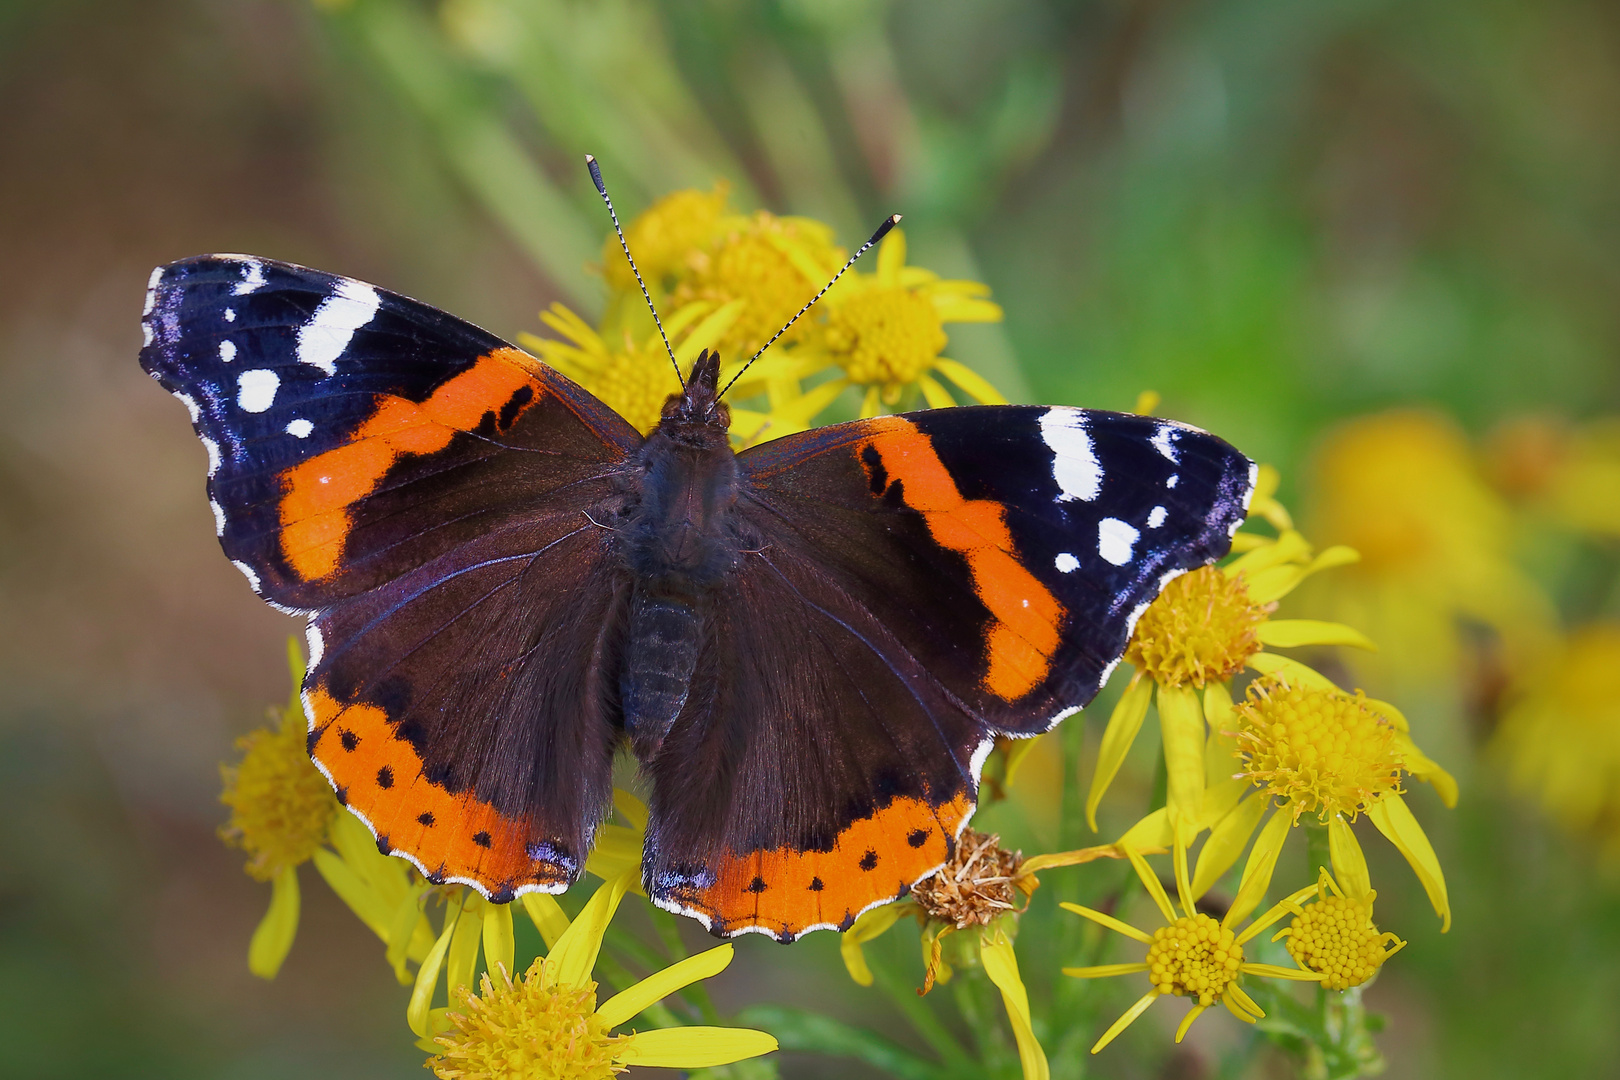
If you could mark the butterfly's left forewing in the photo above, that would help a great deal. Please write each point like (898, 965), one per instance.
(421, 490)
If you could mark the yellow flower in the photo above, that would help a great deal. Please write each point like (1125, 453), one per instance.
(548, 1023)
(1403, 489)
(1566, 474)
(1559, 740)
(886, 332)
(665, 237)
(1337, 937)
(774, 265)
(1192, 955)
(1204, 628)
(635, 379)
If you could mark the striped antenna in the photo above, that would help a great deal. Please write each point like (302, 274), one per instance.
(882, 230)
(601, 189)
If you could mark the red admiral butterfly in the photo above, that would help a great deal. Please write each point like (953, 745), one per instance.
(809, 646)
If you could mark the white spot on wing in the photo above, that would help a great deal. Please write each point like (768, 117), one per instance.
(1156, 518)
(1175, 478)
(146, 333)
(213, 454)
(151, 291)
(1067, 563)
(1074, 460)
(252, 277)
(256, 389)
(322, 340)
(227, 351)
(219, 517)
(300, 428)
(1164, 440)
(247, 572)
(1115, 539)
(230, 314)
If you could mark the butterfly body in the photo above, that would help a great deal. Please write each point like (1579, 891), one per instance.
(809, 646)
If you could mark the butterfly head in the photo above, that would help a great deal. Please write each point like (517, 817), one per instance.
(698, 407)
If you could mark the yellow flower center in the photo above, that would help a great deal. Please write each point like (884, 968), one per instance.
(526, 1030)
(1200, 630)
(280, 803)
(1195, 957)
(885, 336)
(1316, 750)
(1336, 937)
(635, 383)
(764, 264)
(664, 237)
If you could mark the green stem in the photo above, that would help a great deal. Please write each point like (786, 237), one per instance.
(1317, 849)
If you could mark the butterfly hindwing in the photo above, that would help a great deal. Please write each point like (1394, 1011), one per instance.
(421, 490)
(918, 584)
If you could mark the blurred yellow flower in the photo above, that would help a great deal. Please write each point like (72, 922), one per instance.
(665, 238)
(1192, 955)
(547, 1023)
(1337, 937)
(1566, 474)
(1559, 740)
(1403, 489)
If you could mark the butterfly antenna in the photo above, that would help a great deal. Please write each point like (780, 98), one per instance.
(882, 230)
(601, 189)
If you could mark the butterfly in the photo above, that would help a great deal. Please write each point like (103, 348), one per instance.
(810, 646)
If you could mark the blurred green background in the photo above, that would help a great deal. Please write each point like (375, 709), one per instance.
(1278, 215)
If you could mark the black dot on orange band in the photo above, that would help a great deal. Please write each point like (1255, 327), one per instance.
(385, 777)
(481, 838)
(342, 794)
(757, 885)
(918, 837)
(869, 861)
(425, 817)
(816, 885)
(350, 739)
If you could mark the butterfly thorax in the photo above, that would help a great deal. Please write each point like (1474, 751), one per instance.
(680, 543)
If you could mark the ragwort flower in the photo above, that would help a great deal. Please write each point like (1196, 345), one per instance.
(1336, 935)
(548, 1023)
(1192, 956)
(1205, 627)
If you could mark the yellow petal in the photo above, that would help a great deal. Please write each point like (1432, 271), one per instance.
(952, 308)
(575, 952)
(1246, 1001)
(803, 408)
(1394, 819)
(1258, 870)
(1221, 797)
(499, 945)
(1127, 1020)
(1229, 999)
(273, 937)
(1424, 768)
(624, 1005)
(870, 924)
(1047, 860)
(1288, 905)
(354, 891)
(693, 1047)
(1295, 672)
(1105, 971)
(891, 258)
(402, 926)
(1123, 725)
(1152, 833)
(1181, 723)
(633, 809)
(977, 386)
(1151, 882)
(1279, 581)
(1289, 547)
(1187, 1021)
(935, 394)
(1109, 921)
(1272, 971)
(707, 332)
(463, 958)
(547, 915)
(427, 976)
(1349, 864)
(872, 402)
(616, 851)
(1227, 841)
(1146, 402)
(1292, 633)
(1001, 964)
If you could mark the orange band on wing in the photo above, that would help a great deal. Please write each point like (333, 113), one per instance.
(874, 859)
(318, 493)
(1025, 634)
(452, 836)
